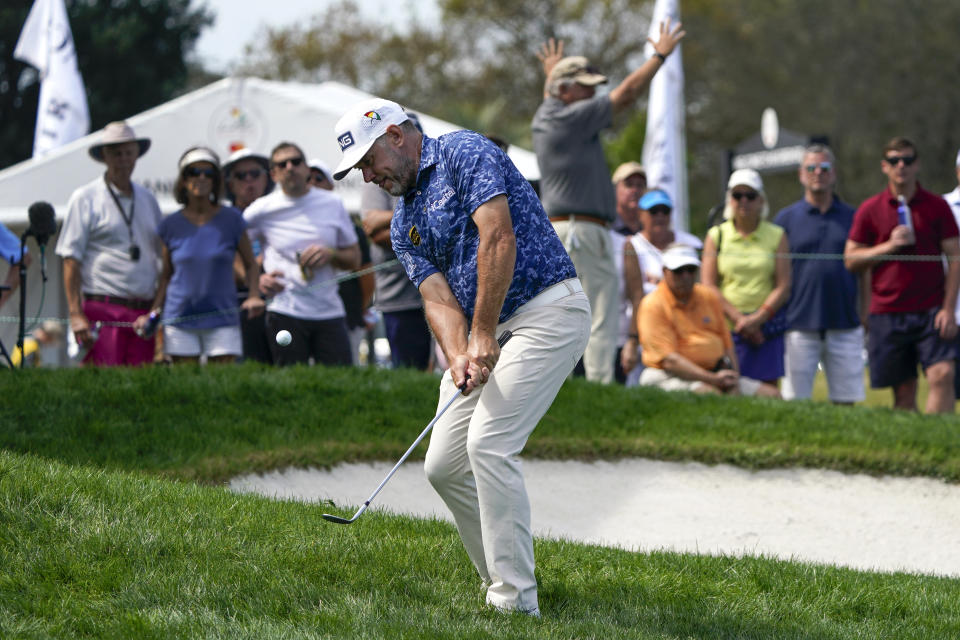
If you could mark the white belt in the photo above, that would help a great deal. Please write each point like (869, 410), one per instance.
(551, 294)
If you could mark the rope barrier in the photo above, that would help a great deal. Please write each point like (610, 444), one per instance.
(342, 277)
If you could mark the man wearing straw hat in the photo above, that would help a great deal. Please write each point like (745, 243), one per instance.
(110, 252)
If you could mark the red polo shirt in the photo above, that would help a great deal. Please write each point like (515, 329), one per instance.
(900, 286)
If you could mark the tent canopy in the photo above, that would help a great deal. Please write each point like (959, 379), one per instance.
(227, 115)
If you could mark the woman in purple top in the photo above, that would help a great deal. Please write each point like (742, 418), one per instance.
(196, 295)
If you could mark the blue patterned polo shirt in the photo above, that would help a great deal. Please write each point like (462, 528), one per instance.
(433, 228)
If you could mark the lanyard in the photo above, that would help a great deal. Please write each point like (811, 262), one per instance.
(123, 214)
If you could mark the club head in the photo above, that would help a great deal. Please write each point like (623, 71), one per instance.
(338, 519)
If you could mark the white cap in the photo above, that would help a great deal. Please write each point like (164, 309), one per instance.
(746, 177)
(319, 165)
(359, 128)
(680, 255)
(199, 154)
(244, 153)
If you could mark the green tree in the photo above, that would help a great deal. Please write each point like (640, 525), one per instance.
(132, 56)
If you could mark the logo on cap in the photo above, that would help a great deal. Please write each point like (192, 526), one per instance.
(414, 236)
(346, 140)
(372, 119)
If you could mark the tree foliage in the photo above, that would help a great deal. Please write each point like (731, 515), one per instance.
(131, 53)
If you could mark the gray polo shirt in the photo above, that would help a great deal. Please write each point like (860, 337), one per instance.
(394, 291)
(573, 170)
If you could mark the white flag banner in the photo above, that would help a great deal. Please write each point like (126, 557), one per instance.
(665, 143)
(46, 43)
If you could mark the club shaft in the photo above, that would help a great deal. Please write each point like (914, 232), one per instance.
(423, 434)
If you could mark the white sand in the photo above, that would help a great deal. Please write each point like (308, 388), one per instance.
(883, 524)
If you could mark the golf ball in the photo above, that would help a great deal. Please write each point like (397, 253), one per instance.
(284, 338)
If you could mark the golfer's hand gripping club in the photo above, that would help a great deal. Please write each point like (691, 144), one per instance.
(502, 340)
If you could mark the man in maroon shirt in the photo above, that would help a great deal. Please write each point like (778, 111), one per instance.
(901, 235)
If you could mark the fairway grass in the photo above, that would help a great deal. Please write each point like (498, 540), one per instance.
(87, 553)
(114, 522)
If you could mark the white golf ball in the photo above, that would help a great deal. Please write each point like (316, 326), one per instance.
(283, 338)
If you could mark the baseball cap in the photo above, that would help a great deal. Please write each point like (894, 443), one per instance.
(578, 69)
(746, 177)
(359, 128)
(243, 154)
(319, 165)
(628, 169)
(680, 255)
(655, 197)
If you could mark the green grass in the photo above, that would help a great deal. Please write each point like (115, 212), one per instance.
(112, 523)
(210, 424)
(87, 553)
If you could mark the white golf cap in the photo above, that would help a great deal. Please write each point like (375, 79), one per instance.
(319, 165)
(680, 255)
(746, 177)
(359, 128)
(198, 154)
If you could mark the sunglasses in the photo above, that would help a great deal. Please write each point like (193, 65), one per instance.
(895, 160)
(662, 211)
(685, 270)
(289, 162)
(253, 174)
(740, 195)
(826, 167)
(194, 172)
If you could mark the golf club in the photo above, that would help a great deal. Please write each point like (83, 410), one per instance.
(502, 340)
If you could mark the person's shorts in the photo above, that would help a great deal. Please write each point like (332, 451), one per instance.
(760, 362)
(218, 341)
(659, 378)
(898, 342)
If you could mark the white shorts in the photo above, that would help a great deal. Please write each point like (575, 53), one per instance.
(840, 351)
(661, 379)
(219, 341)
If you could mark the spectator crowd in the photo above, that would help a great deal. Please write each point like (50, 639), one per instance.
(262, 245)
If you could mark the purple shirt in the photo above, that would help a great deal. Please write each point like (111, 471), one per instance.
(202, 293)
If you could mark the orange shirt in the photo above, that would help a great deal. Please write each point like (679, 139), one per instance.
(696, 330)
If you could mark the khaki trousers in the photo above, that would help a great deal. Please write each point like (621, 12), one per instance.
(473, 459)
(590, 249)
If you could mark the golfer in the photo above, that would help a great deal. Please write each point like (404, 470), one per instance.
(472, 236)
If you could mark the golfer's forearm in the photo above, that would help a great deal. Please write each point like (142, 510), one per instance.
(444, 315)
(626, 93)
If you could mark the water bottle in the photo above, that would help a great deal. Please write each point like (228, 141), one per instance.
(150, 328)
(82, 348)
(904, 216)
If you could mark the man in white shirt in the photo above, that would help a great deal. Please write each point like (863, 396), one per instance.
(306, 235)
(953, 199)
(111, 253)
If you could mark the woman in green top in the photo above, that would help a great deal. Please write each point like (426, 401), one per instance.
(746, 259)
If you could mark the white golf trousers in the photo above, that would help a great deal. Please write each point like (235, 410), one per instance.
(473, 459)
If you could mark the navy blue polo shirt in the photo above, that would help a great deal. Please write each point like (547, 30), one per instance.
(433, 229)
(823, 294)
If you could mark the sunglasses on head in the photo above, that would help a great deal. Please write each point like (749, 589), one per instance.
(195, 172)
(253, 174)
(740, 195)
(823, 166)
(289, 162)
(895, 160)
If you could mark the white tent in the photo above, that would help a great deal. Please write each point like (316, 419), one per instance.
(226, 115)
